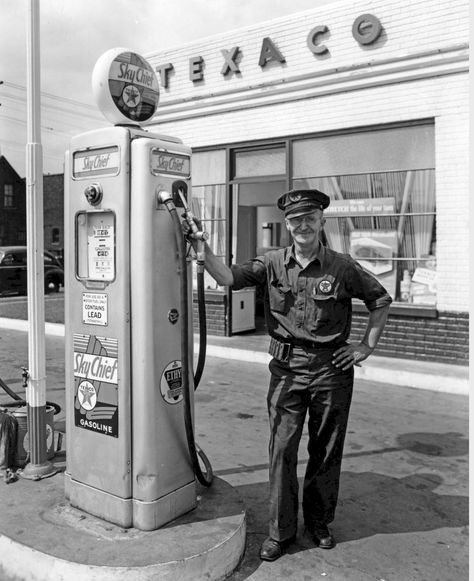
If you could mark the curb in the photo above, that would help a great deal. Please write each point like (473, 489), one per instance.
(436, 377)
(52, 329)
(378, 369)
(214, 565)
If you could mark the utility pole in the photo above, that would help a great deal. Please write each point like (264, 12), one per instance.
(38, 466)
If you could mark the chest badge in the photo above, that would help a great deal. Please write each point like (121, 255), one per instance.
(325, 286)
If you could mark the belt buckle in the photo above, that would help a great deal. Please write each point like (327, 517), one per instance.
(285, 352)
(280, 350)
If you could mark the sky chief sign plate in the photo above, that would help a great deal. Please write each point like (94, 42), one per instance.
(102, 161)
(165, 162)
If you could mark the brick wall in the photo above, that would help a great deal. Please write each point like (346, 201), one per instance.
(217, 316)
(444, 339)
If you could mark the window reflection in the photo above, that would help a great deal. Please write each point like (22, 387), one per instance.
(385, 220)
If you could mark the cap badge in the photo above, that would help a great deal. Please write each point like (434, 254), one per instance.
(294, 197)
(325, 286)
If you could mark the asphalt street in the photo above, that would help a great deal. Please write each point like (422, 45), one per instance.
(403, 511)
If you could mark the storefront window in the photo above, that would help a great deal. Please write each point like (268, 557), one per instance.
(209, 202)
(384, 219)
(269, 161)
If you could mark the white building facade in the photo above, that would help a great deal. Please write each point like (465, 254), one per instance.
(364, 100)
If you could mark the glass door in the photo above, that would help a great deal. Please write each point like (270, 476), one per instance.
(259, 178)
(257, 224)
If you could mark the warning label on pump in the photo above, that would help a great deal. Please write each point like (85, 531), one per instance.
(96, 384)
(94, 308)
(172, 383)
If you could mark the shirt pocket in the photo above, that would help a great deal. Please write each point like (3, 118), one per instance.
(324, 308)
(280, 297)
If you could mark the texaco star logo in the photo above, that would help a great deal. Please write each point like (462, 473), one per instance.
(131, 96)
(325, 286)
(295, 197)
(87, 395)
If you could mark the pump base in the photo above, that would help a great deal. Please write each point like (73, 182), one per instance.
(149, 516)
(125, 512)
(98, 503)
(43, 538)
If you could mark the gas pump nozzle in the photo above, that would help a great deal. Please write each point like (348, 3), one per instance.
(197, 234)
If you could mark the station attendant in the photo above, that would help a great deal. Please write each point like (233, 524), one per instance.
(308, 292)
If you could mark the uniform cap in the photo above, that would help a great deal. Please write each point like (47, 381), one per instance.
(299, 202)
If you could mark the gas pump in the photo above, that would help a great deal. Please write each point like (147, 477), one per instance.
(131, 455)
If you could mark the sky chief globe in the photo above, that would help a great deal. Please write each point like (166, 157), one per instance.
(125, 87)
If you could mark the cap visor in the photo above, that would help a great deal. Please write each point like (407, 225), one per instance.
(301, 211)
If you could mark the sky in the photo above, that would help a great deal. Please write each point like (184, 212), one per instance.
(74, 34)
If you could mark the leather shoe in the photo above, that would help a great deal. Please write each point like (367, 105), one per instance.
(271, 550)
(322, 537)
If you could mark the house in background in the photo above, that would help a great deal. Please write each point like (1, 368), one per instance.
(12, 205)
(53, 210)
(13, 209)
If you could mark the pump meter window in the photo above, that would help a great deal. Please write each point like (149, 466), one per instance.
(95, 234)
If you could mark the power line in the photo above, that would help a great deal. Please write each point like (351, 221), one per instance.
(14, 148)
(46, 128)
(73, 107)
(51, 96)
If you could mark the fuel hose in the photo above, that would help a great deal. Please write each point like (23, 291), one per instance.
(202, 328)
(205, 478)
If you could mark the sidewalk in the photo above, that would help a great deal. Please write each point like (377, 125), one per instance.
(253, 348)
(402, 514)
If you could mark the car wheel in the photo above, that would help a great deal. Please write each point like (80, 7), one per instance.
(51, 285)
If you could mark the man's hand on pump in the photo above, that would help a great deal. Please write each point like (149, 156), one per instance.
(206, 258)
(188, 231)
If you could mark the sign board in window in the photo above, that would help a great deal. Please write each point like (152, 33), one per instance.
(360, 207)
(374, 249)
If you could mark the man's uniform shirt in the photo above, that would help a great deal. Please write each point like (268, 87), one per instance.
(312, 303)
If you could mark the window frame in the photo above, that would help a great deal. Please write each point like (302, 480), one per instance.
(8, 195)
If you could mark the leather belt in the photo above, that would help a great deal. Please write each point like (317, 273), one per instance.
(281, 348)
(307, 344)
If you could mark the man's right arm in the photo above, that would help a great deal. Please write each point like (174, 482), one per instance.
(219, 271)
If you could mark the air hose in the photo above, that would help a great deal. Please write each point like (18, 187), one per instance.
(19, 401)
(194, 451)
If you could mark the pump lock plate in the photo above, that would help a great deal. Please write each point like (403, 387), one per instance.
(173, 316)
(93, 194)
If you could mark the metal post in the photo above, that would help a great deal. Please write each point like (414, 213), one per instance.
(38, 465)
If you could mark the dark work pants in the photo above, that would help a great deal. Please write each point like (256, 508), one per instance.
(309, 382)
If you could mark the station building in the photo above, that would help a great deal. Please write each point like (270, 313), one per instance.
(365, 100)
